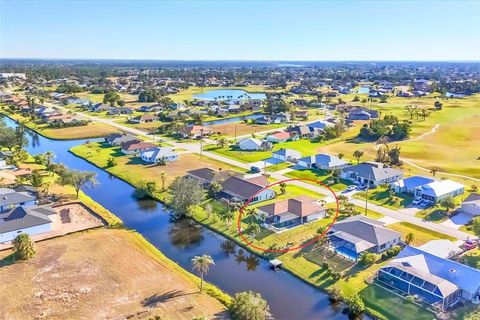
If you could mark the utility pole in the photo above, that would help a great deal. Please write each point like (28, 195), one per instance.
(235, 128)
(201, 143)
(366, 195)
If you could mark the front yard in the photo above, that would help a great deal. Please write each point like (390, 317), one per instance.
(319, 175)
(382, 197)
(422, 235)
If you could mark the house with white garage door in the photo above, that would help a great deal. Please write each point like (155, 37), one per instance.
(471, 204)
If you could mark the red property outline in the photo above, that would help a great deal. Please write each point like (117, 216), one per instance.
(239, 219)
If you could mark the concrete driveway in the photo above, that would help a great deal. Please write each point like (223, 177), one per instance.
(460, 219)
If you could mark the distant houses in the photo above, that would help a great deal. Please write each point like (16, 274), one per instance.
(251, 144)
(135, 147)
(194, 132)
(144, 118)
(277, 137)
(117, 139)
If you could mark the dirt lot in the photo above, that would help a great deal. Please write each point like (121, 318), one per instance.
(69, 218)
(98, 274)
(240, 128)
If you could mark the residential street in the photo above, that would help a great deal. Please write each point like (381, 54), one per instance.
(195, 148)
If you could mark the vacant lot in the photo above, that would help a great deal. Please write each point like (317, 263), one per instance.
(241, 128)
(422, 235)
(73, 277)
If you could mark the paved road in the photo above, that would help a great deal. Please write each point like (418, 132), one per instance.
(195, 148)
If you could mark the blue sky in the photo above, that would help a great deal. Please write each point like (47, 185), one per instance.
(243, 30)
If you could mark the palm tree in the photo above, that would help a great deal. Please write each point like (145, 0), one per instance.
(221, 143)
(250, 213)
(283, 188)
(201, 264)
(49, 156)
(409, 237)
(163, 178)
(433, 172)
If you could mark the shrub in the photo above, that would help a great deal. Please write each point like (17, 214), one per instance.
(355, 305)
(325, 265)
(368, 258)
(335, 275)
(335, 294)
(23, 247)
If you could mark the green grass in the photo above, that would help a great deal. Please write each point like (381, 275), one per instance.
(381, 196)
(438, 214)
(279, 166)
(386, 305)
(422, 235)
(472, 258)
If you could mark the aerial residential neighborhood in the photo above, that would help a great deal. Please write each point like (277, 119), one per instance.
(169, 160)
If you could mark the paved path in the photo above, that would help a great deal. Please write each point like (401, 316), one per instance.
(195, 148)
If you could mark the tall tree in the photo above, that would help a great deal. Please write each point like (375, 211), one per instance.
(77, 179)
(202, 264)
(249, 306)
(357, 154)
(186, 193)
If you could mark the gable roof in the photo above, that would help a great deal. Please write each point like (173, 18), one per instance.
(360, 228)
(473, 198)
(159, 152)
(14, 198)
(240, 187)
(465, 277)
(301, 206)
(414, 182)
(439, 188)
(137, 145)
(373, 170)
(24, 217)
(255, 141)
(287, 152)
(329, 160)
(211, 175)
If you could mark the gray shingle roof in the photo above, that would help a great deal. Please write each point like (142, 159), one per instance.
(24, 217)
(15, 198)
(243, 188)
(366, 229)
(376, 171)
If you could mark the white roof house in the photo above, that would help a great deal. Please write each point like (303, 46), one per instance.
(158, 154)
(287, 154)
(249, 144)
(439, 190)
(441, 248)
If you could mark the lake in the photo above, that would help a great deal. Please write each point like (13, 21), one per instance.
(228, 94)
(235, 269)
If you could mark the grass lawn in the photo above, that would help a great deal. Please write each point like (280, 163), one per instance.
(422, 235)
(135, 171)
(455, 141)
(386, 305)
(319, 175)
(278, 166)
(438, 214)
(472, 258)
(241, 129)
(381, 196)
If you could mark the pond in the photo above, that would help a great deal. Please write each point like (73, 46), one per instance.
(363, 90)
(228, 94)
(232, 119)
(234, 270)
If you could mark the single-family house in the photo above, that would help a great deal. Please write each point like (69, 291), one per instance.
(277, 137)
(119, 110)
(411, 184)
(263, 120)
(238, 189)
(31, 220)
(9, 198)
(358, 234)
(443, 248)
(206, 176)
(371, 173)
(438, 190)
(133, 147)
(117, 139)
(471, 204)
(159, 154)
(194, 132)
(286, 155)
(292, 212)
(435, 280)
(144, 118)
(322, 161)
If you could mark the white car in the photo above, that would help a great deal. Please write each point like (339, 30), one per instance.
(351, 188)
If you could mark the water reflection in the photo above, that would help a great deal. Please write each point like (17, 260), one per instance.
(185, 234)
(228, 246)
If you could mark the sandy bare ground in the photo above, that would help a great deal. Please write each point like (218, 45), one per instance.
(70, 218)
(99, 274)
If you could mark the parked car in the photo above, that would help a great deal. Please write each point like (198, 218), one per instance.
(351, 188)
(417, 201)
(254, 169)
